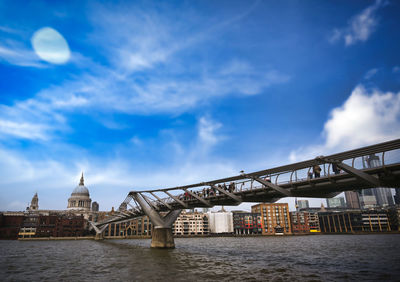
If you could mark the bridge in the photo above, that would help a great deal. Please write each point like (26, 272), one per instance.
(368, 167)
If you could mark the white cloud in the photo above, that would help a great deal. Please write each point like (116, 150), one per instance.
(15, 54)
(365, 118)
(23, 130)
(360, 27)
(370, 73)
(207, 131)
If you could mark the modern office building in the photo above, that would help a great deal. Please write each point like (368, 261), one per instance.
(397, 196)
(275, 218)
(303, 204)
(374, 197)
(336, 202)
(354, 221)
(352, 200)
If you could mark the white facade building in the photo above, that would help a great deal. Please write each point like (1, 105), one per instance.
(191, 223)
(221, 222)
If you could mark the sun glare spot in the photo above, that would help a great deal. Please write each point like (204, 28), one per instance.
(50, 46)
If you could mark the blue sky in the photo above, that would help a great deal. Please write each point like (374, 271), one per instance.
(157, 94)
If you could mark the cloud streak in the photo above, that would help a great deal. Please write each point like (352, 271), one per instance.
(360, 27)
(147, 74)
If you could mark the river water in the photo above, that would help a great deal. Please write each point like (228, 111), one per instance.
(285, 258)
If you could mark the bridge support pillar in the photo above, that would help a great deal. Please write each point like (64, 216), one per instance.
(99, 231)
(162, 233)
(99, 236)
(162, 238)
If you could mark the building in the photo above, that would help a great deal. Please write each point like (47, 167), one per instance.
(384, 197)
(303, 204)
(95, 207)
(275, 218)
(52, 225)
(245, 223)
(354, 221)
(375, 197)
(191, 223)
(220, 222)
(313, 222)
(299, 221)
(336, 202)
(341, 222)
(352, 200)
(397, 196)
(375, 221)
(10, 224)
(394, 218)
(80, 198)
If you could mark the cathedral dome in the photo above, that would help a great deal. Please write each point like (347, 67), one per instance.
(80, 198)
(81, 190)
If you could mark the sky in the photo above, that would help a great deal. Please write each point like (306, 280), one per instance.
(141, 95)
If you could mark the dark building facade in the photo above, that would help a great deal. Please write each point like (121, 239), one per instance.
(52, 225)
(10, 225)
(397, 196)
(354, 221)
(246, 223)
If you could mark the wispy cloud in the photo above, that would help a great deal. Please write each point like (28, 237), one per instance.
(371, 73)
(23, 130)
(16, 54)
(366, 117)
(360, 27)
(147, 74)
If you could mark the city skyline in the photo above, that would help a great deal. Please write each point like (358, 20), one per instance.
(152, 95)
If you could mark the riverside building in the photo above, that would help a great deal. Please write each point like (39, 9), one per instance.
(191, 223)
(275, 218)
(220, 222)
(354, 221)
(245, 223)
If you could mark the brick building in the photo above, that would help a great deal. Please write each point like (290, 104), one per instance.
(299, 221)
(275, 218)
(10, 223)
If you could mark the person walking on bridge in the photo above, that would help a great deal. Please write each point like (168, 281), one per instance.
(317, 171)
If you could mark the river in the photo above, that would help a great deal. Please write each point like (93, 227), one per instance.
(285, 258)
